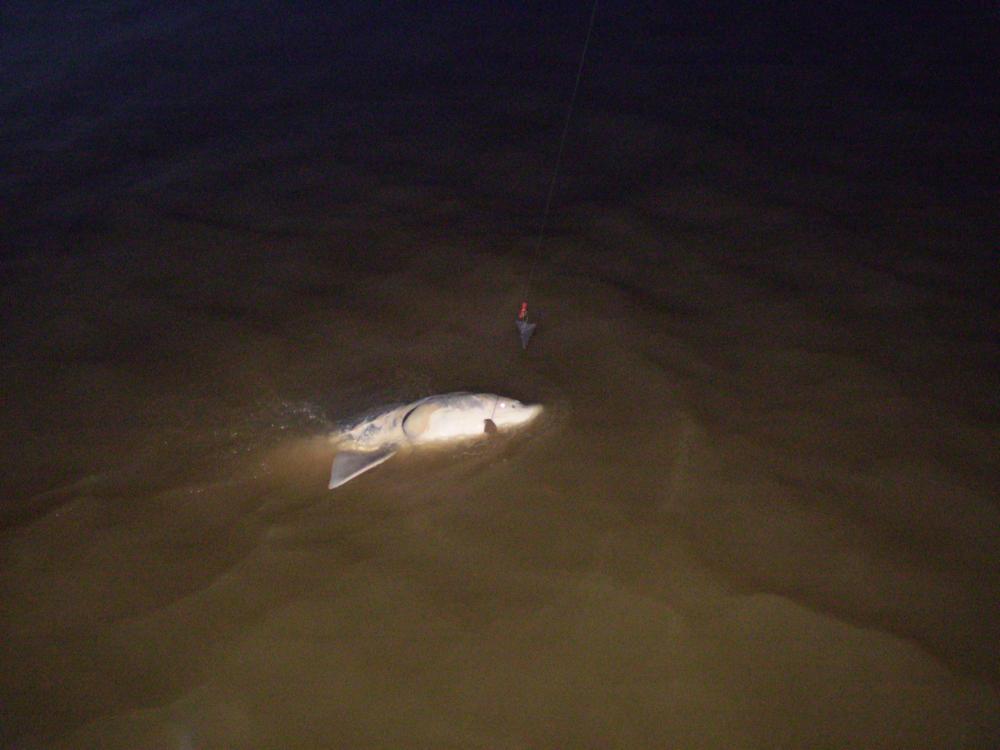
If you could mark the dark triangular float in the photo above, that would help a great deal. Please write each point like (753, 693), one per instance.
(525, 329)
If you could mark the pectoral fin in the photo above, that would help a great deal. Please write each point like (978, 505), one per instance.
(348, 464)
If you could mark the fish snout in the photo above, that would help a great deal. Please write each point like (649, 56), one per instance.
(532, 411)
(517, 414)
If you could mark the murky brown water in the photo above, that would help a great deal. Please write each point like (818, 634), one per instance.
(760, 510)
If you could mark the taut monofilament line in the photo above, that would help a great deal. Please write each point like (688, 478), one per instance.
(524, 326)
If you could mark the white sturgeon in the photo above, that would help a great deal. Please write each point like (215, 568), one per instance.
(442, 419)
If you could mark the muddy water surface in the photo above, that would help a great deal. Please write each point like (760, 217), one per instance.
(759, 511)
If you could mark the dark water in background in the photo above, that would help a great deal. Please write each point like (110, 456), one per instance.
(761, 510)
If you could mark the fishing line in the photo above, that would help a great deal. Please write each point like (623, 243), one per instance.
(524, 327)
(559, 156)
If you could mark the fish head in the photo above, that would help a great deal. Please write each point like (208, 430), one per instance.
(510, 412)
